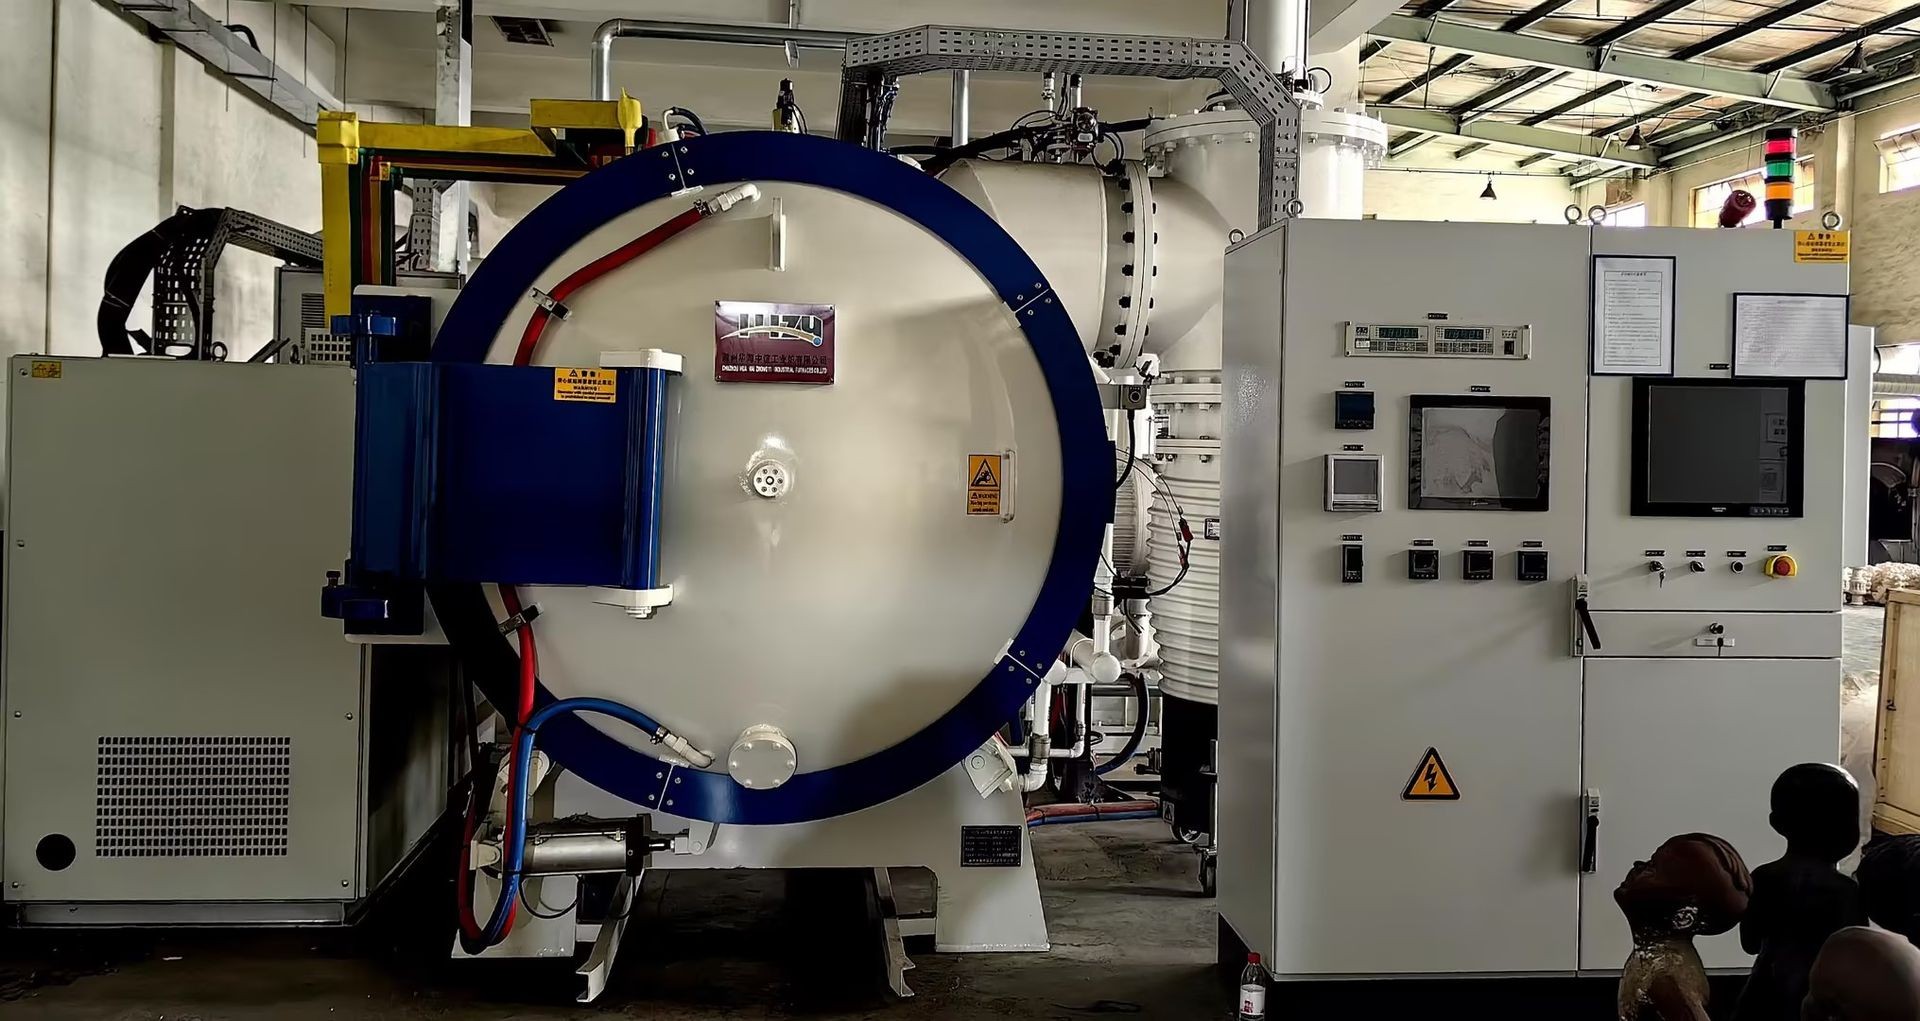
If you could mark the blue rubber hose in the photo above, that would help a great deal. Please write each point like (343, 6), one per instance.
(514, 845)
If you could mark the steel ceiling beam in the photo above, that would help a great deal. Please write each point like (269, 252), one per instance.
(1575, 103)
(1652, 113)
(1424, 78)
(1467, 150)
(1372, 49)
(1729, 125)
(1538, 12)
(1535, 158)
(1545, 140)
(1753, 116)
(1753, 86)
(1844, 39)
(1407, 143)
(1651, 15)
(1475, 107)
(1747, 28)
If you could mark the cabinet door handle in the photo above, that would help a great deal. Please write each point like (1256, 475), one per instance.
(1586, 621)
(1590, 832)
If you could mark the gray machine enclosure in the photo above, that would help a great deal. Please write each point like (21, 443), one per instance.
(1708, 683)
(176, 707)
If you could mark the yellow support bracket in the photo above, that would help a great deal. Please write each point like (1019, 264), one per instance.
(338, 135)
(336, 235)
(623, 115)
(342, 137)
(447, 139)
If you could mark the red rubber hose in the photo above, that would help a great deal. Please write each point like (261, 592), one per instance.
(598, 268)
(509, 597)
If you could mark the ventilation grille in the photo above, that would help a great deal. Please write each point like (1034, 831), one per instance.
(322, 347)
(192, 797)
(313, 311)
(525, 31)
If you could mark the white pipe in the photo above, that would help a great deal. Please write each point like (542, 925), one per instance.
(962, 93)
(1037, 714)
(1100, 665)
(600, 54)
(1277, 34)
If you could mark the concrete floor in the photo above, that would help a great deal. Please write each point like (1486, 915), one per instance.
(1128, 925)
(1131, 935)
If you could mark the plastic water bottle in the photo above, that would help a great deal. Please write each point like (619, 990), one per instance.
(1253, 990)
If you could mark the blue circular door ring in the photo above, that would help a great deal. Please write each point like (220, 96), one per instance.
(556, 225)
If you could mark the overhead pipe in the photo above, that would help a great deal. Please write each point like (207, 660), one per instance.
(1276, 31)
(600, 55)
(962, 95)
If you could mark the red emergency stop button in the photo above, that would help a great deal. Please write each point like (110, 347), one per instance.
(1781, 565)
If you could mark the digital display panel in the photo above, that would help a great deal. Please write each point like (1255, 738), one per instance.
(1478, 453)
(1718, 447)
(1397, 332)
(1356, 476)
(1463, 333)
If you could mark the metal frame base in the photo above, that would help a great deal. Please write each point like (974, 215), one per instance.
(977, 910)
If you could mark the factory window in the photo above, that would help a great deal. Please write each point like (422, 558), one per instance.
(1708, 199)
(1634, 215)
(1893, 417)
(1899, 158)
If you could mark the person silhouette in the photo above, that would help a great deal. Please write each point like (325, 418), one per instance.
(1694, 885)
(1863, 975)
(1889, 877)
(1800, 898)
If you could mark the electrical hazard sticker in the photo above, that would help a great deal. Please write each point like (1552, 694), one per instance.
(1430, 781)
(986, 484)
(595, 386)
(43, 369)
(1828, 246)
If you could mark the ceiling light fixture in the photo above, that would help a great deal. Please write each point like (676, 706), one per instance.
(1635, 140)
(1487, 192)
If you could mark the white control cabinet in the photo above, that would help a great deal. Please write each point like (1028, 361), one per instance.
(1356, 642)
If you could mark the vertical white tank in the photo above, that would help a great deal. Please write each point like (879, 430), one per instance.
(1215, 153)
(1139, 261)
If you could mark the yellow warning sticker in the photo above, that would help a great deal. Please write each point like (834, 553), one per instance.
(43, 369)
(596, 386)
(1430, 781)
(1821, 246)
(984, 483)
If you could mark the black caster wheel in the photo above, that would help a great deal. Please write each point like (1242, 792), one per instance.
(1209, 868)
